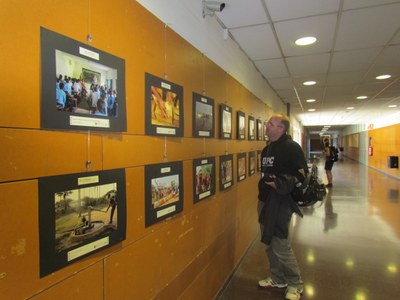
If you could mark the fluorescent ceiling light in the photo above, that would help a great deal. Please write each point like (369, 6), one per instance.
(310, 100)
(311, 82)
(304, 41)
(362, 97)
(350, 107)
(311, 109)
(385, 76)
(392, 105)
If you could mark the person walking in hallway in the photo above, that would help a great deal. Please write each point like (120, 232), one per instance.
(283, 165)
(328, 162)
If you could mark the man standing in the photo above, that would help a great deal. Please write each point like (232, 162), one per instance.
(328, 162)
(283, 166)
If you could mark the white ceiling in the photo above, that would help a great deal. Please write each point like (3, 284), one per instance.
(357, 40)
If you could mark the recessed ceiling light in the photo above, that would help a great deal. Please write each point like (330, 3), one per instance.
(304, 41)
(350, 107)
(392, 105)
(310, 100)
(311, 82)
(311, 109)
(385, 76)
(362, 97)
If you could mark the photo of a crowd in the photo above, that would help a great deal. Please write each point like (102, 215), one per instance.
(164, 190)
(85, 87)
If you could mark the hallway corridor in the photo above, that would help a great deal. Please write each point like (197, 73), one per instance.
(348, 248)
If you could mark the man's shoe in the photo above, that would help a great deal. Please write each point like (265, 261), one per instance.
(292, 293)
(269, 284)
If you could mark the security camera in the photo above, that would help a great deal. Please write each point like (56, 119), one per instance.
(210, 7)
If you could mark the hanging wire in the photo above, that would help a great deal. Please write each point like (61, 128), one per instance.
(165, 149)
(88, 162)
(165, 51)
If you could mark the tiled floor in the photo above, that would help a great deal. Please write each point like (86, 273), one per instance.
(348, 248)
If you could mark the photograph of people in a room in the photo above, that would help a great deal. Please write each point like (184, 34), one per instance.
(204, 178)
(204, 116)
(84, 86)
(164, 190)
(226, 171)
(164, 107)
(82, 214)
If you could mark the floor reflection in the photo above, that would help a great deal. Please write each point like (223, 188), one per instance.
(348, 247)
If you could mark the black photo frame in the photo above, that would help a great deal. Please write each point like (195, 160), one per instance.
(203, 116)
(259, 125)
(204, 178)
(225, 171)
(265, 124)
(225, 121)
(80, 214)
(163, 191)
(252, 163)
(96, 101)
(241, 125)
(252, 128)
(241, 166)
(163, 107)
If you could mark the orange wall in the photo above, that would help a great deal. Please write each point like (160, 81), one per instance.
(189, 255)
(385, 142)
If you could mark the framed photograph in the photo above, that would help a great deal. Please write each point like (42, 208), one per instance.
(225, 171)
(241, 124)
(252, 128)
(241, 166)
(203, 116)
(79, 214)
(225, 121)
(204, 178)
(82, 88)
(265, 123)
(259, 130)
(252, 162)
(258, 160)
(163, 190)
(163, 107)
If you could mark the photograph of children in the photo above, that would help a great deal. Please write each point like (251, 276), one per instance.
(81, 87)
(84, 213)
(226, 121)
(84, 86)
(241, 165)
(241, 132)
(259, 130)
(252, 128)
(164, 190)
(226, 171)
(203, 114)
(252, 163)
(204, 178)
